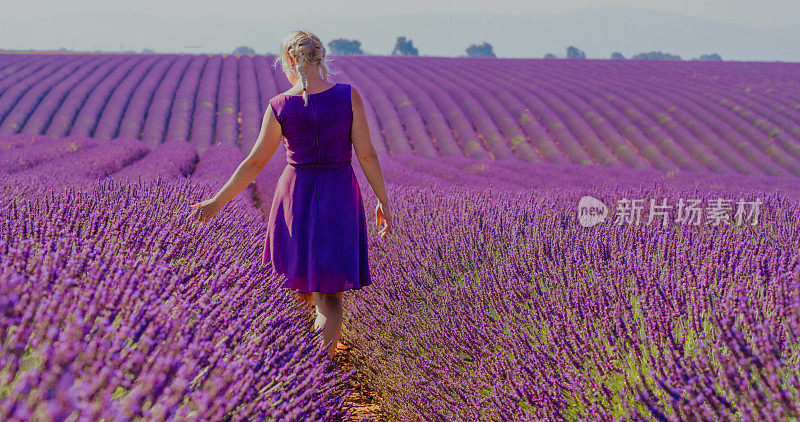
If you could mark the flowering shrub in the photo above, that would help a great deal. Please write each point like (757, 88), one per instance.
(113, 305)
(499, 306)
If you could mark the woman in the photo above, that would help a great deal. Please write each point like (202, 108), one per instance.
(316, 233)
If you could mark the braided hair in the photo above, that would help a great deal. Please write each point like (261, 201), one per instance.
(306, 49)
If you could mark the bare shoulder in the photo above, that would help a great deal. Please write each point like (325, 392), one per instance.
(355, 98)
(275, 99)
(275, 104)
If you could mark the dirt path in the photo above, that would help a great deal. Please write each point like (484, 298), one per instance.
(360, 395)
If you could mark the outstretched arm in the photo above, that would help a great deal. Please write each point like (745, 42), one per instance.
(262, 152)
(368, 159)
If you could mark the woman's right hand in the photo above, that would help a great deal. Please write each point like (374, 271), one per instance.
(383, 215)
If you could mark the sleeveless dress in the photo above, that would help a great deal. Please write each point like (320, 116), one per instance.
(317, 230)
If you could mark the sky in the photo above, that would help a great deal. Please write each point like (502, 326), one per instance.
(761, 14)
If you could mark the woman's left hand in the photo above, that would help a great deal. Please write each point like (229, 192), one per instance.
(204, 211)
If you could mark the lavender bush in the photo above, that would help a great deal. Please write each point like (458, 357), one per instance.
(113, 305)
(499, 306)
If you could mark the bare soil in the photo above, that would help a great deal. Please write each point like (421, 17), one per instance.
(360, 395)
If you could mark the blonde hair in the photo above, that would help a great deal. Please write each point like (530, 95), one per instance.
(305, 48)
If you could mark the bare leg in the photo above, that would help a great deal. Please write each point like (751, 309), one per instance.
(329, 317)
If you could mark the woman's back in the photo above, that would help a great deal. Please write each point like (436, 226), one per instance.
(317, 232)
(317, 133)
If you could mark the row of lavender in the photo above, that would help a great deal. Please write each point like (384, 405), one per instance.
(114, 305)
(157, 99)
(617, 114)
(730, 117)
(52, 162)
(500, 306)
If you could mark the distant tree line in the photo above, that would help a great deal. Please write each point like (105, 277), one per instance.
(480, 50)
(576, 53)
(711, 57)
(341, 46)
(404, 46)
(656, 55)
(244, 50)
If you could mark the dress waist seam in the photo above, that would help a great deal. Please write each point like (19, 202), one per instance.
(320, 166)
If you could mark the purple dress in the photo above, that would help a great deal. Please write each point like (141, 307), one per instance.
(317, 230)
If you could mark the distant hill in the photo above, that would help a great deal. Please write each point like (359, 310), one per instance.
(597, 31)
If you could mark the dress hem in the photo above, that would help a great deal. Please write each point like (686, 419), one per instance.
(324, 291)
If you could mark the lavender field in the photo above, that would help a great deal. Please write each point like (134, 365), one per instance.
(491, 301)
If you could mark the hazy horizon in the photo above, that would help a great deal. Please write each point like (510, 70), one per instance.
(768, 14)
(597, 30)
